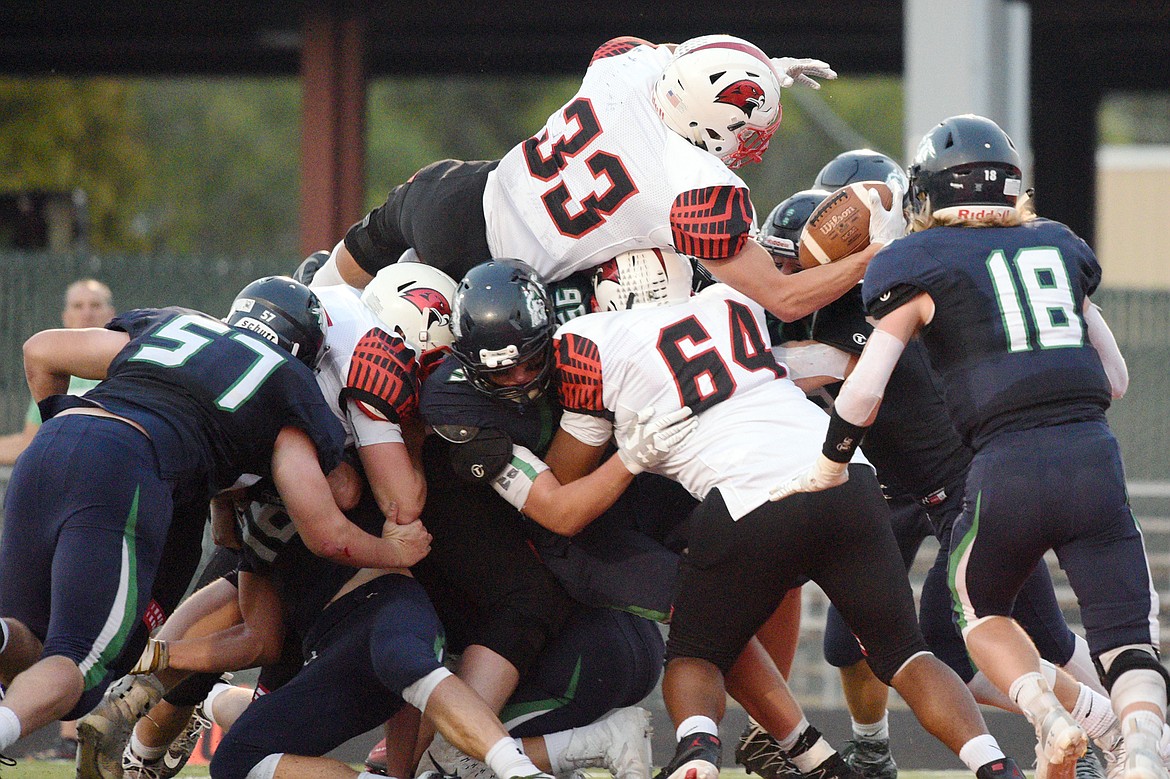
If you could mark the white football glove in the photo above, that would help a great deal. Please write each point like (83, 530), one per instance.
(154, 657)
(793, 70)
(886, 225)
(652, 438)
(823, 474)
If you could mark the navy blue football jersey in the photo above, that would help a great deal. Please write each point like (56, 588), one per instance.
(1007, 337)
(449, 399)
(212, 397)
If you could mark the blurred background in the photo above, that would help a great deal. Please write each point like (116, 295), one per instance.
(180, 150)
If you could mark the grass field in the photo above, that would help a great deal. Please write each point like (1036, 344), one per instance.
(32, 769)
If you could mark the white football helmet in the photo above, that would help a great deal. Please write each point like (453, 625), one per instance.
(722, 94)
(414, 301)
(642, 278)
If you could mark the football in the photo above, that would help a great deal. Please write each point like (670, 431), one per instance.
(839, 226)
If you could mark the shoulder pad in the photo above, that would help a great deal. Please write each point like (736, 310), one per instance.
(456, 434)
(482, 454)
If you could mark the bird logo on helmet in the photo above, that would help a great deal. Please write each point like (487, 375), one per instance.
(413, 300)
(722, 94)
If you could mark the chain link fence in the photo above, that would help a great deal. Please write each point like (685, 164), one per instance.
(31, 296)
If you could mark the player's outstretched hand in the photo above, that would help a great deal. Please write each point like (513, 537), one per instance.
(823, 474)
(155, 657)
(652, 438)
(793, 70)
(886, 225)
(412, 540)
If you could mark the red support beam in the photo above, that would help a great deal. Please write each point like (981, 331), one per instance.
(333, 124)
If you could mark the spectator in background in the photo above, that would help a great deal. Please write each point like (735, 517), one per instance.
(88, 303)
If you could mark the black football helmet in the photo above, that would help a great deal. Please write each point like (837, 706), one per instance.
(285, 312)
(502, 316)
(849, 167)
(965, 160)
(780, 233)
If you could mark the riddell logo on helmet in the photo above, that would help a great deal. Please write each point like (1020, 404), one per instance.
(743, 94)
(982, 212)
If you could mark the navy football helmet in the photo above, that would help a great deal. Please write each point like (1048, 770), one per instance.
(501, 317)
(965, 160)
(284, 311)
(849, 167)
(780, 233)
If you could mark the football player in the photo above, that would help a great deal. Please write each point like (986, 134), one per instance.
(523, 641)
(370, 374)
(118, 479)
(643, 156)
(1028, 367)
(711, 354)
(921, 462)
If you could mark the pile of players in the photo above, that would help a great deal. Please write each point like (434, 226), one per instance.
(401, 466)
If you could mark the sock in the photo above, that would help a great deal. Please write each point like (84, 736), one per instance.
(507, 761)
(808, 748)
(1094, 712)
(879, 730)
(1034, 697)
(980, 751)
(555, 745)
(9, 728)
(696, 724)
(788, 742)
(145, 753)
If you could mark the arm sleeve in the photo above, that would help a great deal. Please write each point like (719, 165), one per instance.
(587, 428)
(1101, 337)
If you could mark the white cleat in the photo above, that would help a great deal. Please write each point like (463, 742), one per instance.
(619, 743)
(1061, 741)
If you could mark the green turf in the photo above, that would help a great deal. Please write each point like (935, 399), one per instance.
(33, 769)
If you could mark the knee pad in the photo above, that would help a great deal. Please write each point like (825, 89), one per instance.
(1113, 663)
(265, 769)
(228, 763)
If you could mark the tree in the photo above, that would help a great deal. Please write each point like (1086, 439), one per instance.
(59, 134)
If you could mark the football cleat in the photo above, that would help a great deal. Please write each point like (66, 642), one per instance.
(448, 761)
(1089, 767)
(759, 753)
(176, 756)
(1060, 741)
(1142, 758)
(102, 734)
(697, 756)
(870, 757)
(1003, 768)
(834, 767)
(619, 743)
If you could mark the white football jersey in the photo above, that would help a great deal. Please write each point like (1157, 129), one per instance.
(354, 329)
(756, 429)
(606, 175)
